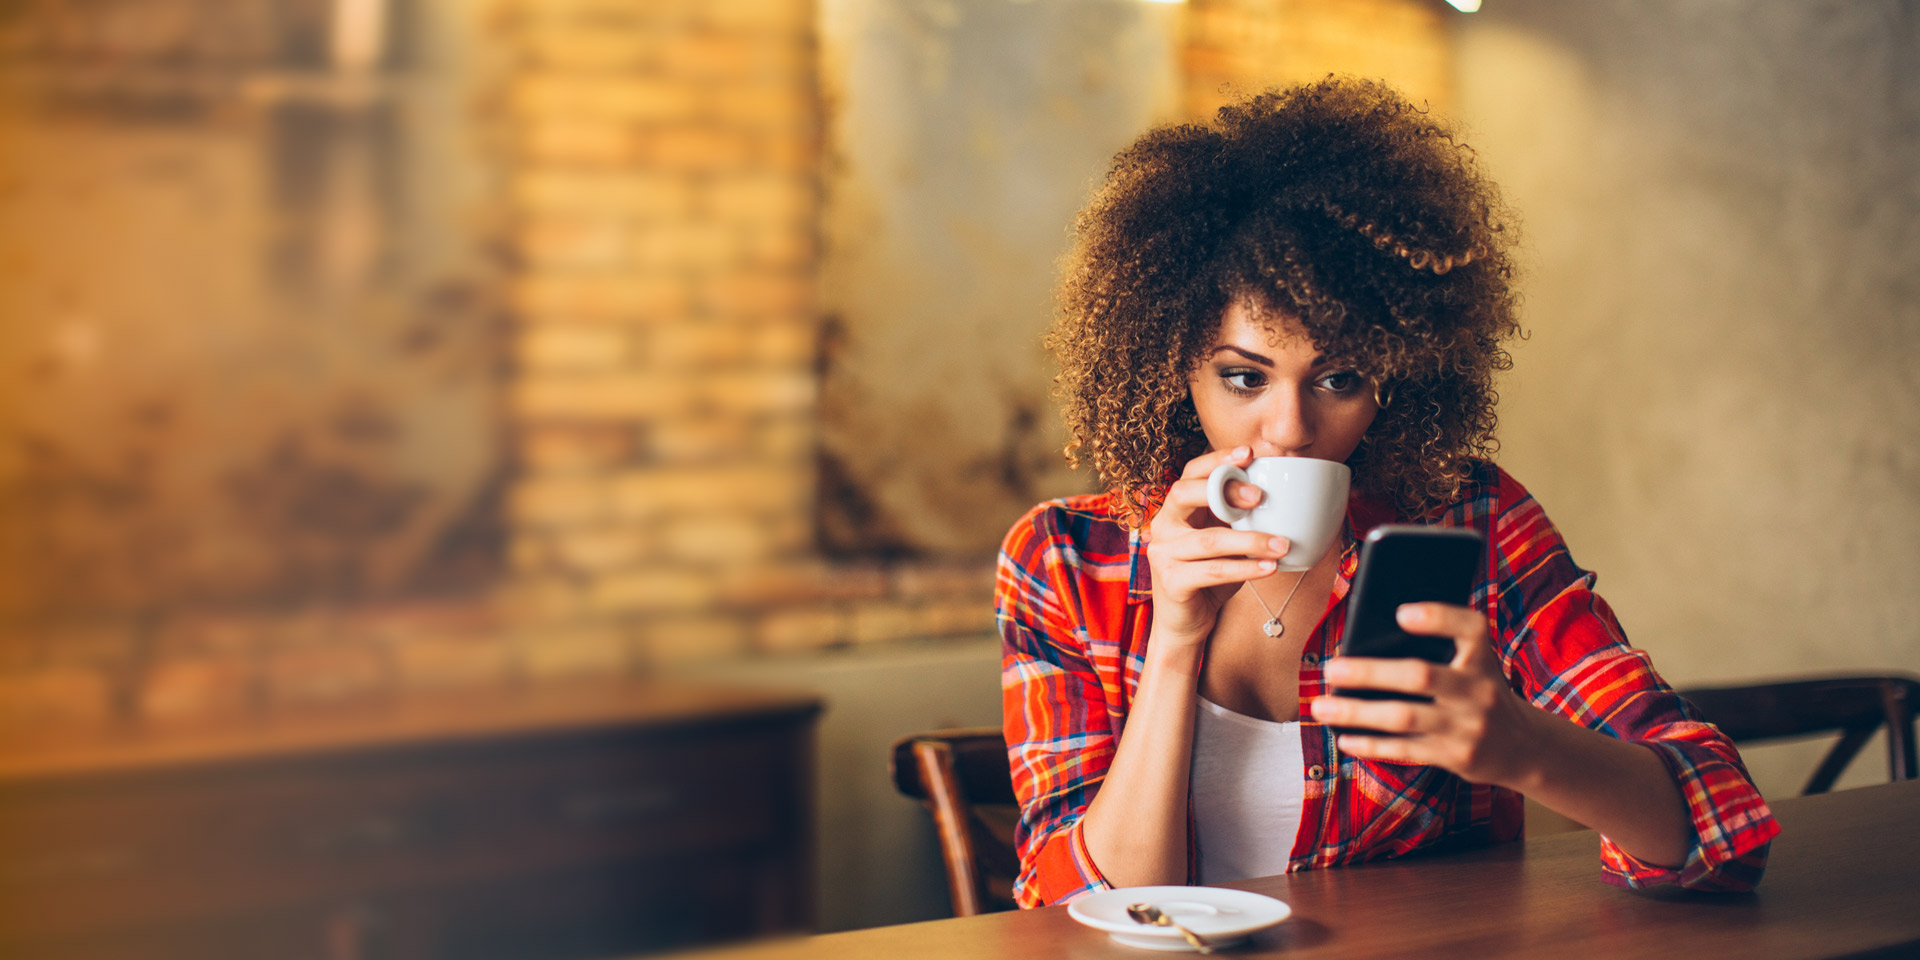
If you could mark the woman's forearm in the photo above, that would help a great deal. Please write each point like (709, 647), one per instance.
(1136, 827)
(1618, 788)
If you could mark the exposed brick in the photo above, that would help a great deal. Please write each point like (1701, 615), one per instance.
(601, 397)
(948, 618)
(692, 639)
(575, 447)
(778, 248)
(580, 142)
(924, 581)
(540, 599)
(770, 391)
(788, 16)
(757, 293)
(601, 650)
(882, 621)
(572, 47)
(690, 147)
(786, 438)
(562, 347)
(199, 687)
(802, 629)
(770, 105)
(443, 662)
(555, 500)
(574, 196)
(785, 344)
(326, 672)
(717, 538)
(576, 244)
(531, 552)
(801, 582)
(613, 98)
(765, 201)
(685, 441)
(700, 244)
(644, 493)
(55, 697)
(685, 345)
(607, 298)
(657, 589)
(200, 634)
(601, 548)
(107, 646)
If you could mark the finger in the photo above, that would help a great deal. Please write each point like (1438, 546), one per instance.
(1244, 495)
(1411, 750)
(1471, 649)
(1188, 578)
(1210, 542)
(1386, 716)
(1205, 463)
(1441, 620)
(1374, 673)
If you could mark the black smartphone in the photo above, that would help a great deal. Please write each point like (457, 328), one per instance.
(1407, 564)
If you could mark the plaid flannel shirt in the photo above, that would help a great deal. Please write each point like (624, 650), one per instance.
(1074, 604)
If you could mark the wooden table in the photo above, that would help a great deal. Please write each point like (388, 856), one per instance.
(1843, 881)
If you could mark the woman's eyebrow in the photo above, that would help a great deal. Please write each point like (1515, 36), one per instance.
(1250, 355)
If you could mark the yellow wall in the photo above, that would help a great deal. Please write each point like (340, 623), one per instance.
(1718, 401)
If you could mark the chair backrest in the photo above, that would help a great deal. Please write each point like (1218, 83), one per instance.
(1853, 706)
(963, 778)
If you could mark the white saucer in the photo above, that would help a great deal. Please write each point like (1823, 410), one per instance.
(1219, 916)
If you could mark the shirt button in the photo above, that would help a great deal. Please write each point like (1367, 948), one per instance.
(1316, 771)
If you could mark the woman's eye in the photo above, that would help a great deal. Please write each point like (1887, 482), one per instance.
(1244, 380)
(1343, 382)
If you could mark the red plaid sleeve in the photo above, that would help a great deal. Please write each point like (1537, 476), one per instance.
(1060, 736)
(1563, 650)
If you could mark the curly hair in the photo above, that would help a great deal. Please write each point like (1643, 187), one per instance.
(1337, 205)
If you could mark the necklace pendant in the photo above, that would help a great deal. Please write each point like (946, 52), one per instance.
(1273, 627)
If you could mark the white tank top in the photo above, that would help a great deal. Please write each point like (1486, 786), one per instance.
(1247, 791)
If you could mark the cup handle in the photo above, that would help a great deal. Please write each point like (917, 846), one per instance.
(1217, 492)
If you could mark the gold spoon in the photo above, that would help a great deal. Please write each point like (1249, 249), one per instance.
(1150, 915)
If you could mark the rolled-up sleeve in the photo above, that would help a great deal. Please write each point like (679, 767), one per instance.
(1058, 731)
(1564, 650)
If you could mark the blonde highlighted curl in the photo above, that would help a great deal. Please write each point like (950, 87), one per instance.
(1336, 204)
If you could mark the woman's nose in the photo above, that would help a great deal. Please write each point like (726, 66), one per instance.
(1286, 427)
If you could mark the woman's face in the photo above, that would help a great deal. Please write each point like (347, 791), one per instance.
(1269, 389)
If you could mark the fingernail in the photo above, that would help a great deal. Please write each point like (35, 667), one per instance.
(1277, 544)
(1268, 565)
(1241, 453)
(1409, 614)
(1335, 669)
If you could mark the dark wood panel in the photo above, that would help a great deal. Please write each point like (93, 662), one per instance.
(402, 846)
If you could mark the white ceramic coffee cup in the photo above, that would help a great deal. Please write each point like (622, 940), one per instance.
(1303, 499)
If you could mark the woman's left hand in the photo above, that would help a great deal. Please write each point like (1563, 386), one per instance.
(1476, 727)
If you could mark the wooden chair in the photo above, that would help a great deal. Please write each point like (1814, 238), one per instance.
(1854, 706)
(963, 778)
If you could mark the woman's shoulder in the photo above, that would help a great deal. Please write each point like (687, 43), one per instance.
(1089, 524)
(1491, 497)
(1078, 543)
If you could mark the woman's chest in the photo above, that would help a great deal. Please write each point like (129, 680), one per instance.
(1255, 659)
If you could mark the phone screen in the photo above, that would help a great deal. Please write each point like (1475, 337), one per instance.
(1407, 564)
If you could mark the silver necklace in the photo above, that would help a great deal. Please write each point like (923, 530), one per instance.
(1273, 627)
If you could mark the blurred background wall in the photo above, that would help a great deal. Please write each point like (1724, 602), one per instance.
(1720, 399)
(357, 351)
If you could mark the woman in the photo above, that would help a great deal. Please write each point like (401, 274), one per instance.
(1319, 272)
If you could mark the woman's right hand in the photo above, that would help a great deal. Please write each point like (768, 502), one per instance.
(1198, 562)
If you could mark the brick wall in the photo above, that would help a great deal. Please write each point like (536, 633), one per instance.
(665, 189)
(1241, 46)
(656, 211)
